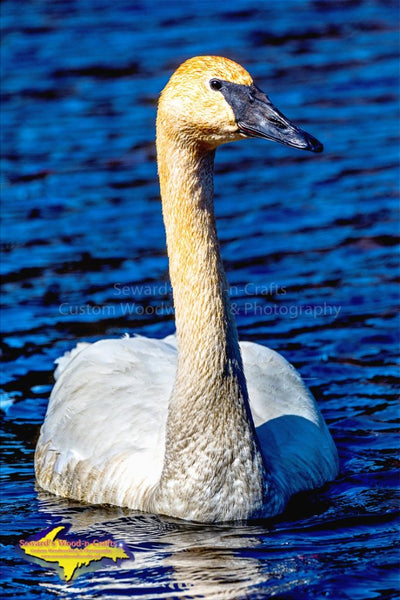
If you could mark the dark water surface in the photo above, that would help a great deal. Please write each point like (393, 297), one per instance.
(308, 243)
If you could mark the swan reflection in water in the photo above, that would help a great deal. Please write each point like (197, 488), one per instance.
(195, 560)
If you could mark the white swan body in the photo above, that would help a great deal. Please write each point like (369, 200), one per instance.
(193, 426)
(117, 442)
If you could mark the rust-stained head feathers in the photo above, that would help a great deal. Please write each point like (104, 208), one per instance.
(190, 109)
(211, 66)
(211, 100)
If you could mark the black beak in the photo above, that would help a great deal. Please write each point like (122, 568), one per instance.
(256, 116)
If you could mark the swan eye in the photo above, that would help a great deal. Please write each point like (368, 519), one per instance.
(215, 85)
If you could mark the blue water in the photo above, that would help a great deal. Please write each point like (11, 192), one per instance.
(309, 244)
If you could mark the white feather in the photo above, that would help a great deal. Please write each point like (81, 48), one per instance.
(110, 405)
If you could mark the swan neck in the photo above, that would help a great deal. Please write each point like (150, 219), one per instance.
(211, 446)
(206, 329)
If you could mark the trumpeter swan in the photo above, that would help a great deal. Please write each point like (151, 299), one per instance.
(195, 426)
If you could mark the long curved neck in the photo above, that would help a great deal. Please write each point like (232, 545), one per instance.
(210, 432)
(206, 330)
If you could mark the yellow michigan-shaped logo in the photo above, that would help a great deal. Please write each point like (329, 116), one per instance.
(72, 554)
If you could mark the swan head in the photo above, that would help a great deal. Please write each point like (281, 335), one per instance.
(211, 100)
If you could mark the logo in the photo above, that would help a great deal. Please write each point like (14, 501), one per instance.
(72, 553)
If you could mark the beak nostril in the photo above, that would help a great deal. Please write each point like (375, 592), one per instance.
(256, 116)
(277, 123)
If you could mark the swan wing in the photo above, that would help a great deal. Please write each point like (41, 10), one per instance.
(297, 447)
(103, 437)
(104, 433)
